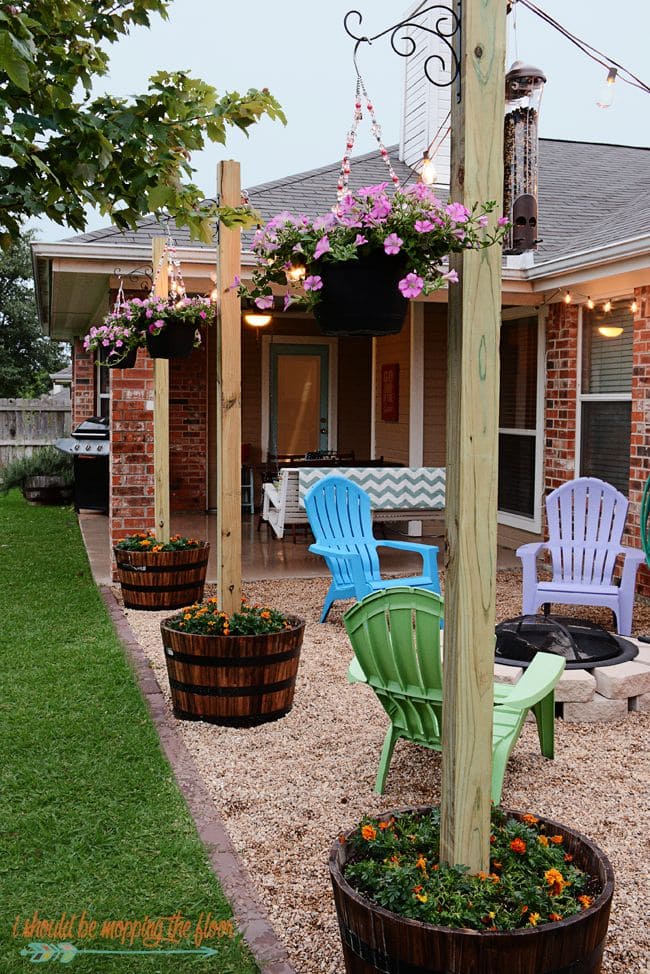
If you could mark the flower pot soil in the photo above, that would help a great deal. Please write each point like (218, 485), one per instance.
(175, 340)
(375, 939)
(237, 681)
(47, 490)
(155, 580)
(127, 361)
(361, 297)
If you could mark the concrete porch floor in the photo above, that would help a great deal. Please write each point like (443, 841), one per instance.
(263, 555)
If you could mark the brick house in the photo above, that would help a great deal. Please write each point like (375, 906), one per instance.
(572, 401)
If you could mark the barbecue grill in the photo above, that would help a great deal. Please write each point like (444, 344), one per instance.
(90, 448)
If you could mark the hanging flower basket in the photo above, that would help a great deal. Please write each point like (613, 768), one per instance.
(174, 340)
(361, 297)
(112, 358)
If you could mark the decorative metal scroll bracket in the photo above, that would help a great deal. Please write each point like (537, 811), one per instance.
(447, 28)
(137, 277)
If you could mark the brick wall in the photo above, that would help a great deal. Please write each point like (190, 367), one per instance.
(560, 395)
(82, 391)
(640, 433)
(188, 444)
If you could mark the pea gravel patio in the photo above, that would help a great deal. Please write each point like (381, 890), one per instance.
(286, 789)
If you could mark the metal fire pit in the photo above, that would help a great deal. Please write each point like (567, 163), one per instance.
(90, 448)
(584, 645)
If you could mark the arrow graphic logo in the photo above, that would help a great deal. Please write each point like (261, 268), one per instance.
(65, 953)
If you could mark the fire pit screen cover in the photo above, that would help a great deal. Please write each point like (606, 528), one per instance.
(583, 644)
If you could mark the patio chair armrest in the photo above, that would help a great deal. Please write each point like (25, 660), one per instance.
(427, 552)
(537, 682)
(335, 557)
(528, 554)
(271, 495)
(634, 555)
(632, 558)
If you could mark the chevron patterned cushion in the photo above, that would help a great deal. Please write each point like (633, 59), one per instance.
(389, 488)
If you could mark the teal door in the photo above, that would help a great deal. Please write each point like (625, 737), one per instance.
(299, 413)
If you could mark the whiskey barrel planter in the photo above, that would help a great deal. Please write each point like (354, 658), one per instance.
(238, 681)
(155, 580)
(361, 297)
(47, 490)
(374, 939)
(175, 340)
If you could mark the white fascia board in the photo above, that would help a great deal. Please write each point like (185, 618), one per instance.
(628, 255)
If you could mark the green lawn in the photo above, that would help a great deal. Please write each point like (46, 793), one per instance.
(90, 817)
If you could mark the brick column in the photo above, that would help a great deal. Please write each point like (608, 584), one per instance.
(640, 426)
(560, 395)
(83, 383)
(188, 442)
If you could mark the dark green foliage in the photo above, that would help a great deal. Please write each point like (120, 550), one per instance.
(44, 462)
(91, 816)
(63, 151)
(27, 357)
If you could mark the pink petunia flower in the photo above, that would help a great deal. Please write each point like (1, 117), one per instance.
(483, 221)
(288, 301)
(411, 285)
(322, 247)
(393, 243)
(457, 212)
(264, 302)
(359, 240)
(313, 283)
(451, 276)
(501, 222)
(424, 226)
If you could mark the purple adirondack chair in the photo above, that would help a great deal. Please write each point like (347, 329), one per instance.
(586, 518)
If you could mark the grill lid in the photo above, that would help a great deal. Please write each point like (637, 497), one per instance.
(94, 428)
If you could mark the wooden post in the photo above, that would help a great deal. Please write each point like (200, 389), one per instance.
(472, 443)
(228, 399)
(161, 408)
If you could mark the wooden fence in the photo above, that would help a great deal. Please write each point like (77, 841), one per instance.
(26, 424)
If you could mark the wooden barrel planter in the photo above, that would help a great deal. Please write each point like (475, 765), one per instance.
(47, 490)
(374, 939)
(238, 681)
(176, 340)
(361, 297)
(155, 580)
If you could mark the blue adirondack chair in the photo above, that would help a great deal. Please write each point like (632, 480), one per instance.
(585, 518)
(340, 520)
(395, 636)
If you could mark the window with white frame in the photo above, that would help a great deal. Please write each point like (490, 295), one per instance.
(605, 395)
(103, 387)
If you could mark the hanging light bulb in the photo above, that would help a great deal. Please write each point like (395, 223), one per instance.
(428, 173)
(590, 304)
(567, 297)
(297, 271)
(634, 307)
(607, 306)
(257, 319)
(214, 295)
(606, 97)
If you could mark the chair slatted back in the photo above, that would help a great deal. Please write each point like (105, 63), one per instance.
(395, 635)
(586, 518)
(339, 516)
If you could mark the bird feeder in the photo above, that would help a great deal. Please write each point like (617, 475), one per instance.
(524, 87)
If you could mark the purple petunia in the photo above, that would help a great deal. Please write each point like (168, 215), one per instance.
(393, 243)
(264, 302)
(322, 247)
(411, 285)
(313, 283)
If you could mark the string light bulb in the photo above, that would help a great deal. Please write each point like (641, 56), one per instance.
(257, 319)
(606, 97)
(607, 306)
(567, 297)
(214, 295)
(297, 271)
(634, 307)
(590, 304)
(428, 173)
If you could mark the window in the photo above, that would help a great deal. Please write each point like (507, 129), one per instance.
(606, 396)
(518, 412)
(103, 386)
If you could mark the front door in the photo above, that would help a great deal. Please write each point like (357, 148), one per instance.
(299, 413)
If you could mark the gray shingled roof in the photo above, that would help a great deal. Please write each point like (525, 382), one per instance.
(590, 194)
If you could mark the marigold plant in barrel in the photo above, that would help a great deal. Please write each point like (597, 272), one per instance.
(157, 575)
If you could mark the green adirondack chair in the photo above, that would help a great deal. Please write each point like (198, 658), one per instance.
(395, 635)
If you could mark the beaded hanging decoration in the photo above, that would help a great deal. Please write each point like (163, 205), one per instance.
(171, 260)
(375, 128)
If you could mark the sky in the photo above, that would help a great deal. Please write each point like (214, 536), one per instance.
(301, 52)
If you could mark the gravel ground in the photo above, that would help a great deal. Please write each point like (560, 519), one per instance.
(286, 789)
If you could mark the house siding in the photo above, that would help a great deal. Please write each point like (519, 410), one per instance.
(392, 439)
(435, 385)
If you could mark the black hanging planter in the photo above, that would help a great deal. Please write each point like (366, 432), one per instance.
(113, 362)
(176, 340)
(361, 297)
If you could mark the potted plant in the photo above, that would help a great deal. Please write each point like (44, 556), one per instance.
(237, 670)
(157, 574)
(44, 477)
(541, 908)
(116, 341)
(170, 325)
(358, 264)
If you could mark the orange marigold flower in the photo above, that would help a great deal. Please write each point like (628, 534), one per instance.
(482, 875)
(387, 824)
(534, 919)
(542, 840)
(555, 880)
(494, 878)
(418, 889)
(421, 864)
(586, 901)
(518, 846)
(422, 897)
(369, 833)
(568, 857)
(497, 865)
(265, 615)
(557, 839)
(493, 839)
(554, 916)
(529, 819)
(524, 909)
(394, 859)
